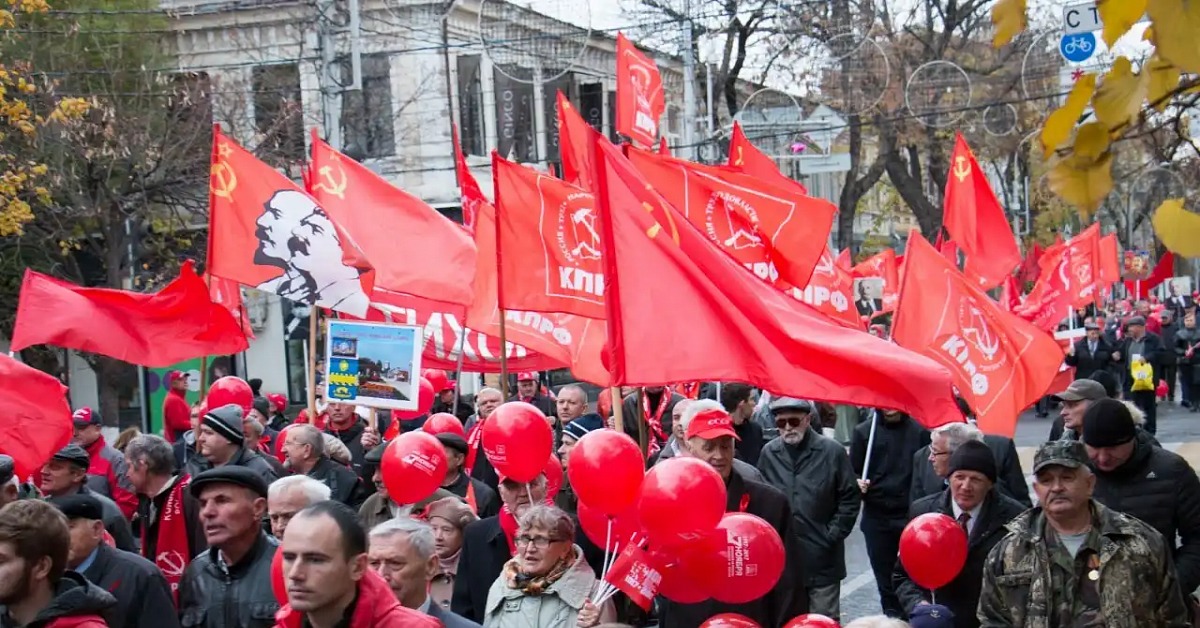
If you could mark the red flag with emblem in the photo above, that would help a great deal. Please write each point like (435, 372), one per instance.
(466, 183)
(975, 220)
(830, 290)
(640, 99)
(1068, 279)
(1163, 270)
(747, 157)
(267, 233)
(999, 363)
(228, 294)
(576, 159)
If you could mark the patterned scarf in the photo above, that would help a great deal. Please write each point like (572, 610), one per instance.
(654, 421)
(172, 547)
(537, 585)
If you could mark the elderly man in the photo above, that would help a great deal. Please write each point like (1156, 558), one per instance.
(815, 474)
(1157, 486)
(106, 475)
(288, 496)
(66, 474)
(572, 403)
(477, 464)
(1075, 400)
(479, 496)
(1090, 353)
(1074, 562)
(981, 511)
(220, 441)
(1140, 343)
(931, 463)
(675, 446)
(404, 553)
(379, 507)
(709, 437)
(230, 583)
(486, 402)
(169, 514)
(304, 446)
(529, 390)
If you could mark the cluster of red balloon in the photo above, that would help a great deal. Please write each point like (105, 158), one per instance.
(933, 550)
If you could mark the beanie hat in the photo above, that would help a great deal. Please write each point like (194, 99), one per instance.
(974, 456)
(451, 509)
(931, 616)
(580, 427)
(1108, 423)
(226, 421)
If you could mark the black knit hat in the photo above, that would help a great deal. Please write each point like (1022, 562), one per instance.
(226, 421)
(1108, 423)
(974, 456)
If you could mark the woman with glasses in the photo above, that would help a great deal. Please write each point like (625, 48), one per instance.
(548, 583)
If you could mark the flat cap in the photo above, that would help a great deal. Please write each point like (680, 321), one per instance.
(1081, 389)
(453, 441)
(790, 403)
(375, 456)
(79, 506)
(229, 474)
(73, 454)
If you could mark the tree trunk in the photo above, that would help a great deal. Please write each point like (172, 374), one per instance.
(906, 178)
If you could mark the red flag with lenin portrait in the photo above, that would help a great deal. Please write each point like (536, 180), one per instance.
(640, 98)
(999, 362)
(882, 266)
(267, 233)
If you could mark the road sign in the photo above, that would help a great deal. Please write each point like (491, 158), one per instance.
(1081, 18)
(1077, 48)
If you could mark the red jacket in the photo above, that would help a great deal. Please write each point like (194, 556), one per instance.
(78, 621)
(177, 415)
(376, 607)
(106, 475)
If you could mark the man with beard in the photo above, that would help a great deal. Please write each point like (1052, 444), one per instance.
(647, 417)
(479, 496)
(304, 446)
(66, 474)
(106, 475)
(35, 587)
(404, 553)
(221, 442)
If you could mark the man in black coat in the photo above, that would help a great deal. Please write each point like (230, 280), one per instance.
(1138, 341)
(529, 390)
(971, 499)
(479, 496)
(1150, 483)
(304, 446)
(143, 597)
(1090, 353)
(345, 423)
(65, 474)
(647, 417)
(928, 469)
(738, 400)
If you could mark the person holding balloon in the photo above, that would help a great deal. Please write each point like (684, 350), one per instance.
(948, 569)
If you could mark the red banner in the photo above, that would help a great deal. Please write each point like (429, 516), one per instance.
(746, 157)
(975, 220)
(640, 99)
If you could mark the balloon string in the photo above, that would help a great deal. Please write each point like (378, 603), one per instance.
(529, 492)
(604, 569)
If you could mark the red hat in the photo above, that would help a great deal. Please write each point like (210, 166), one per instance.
(710, 424)
(174, 375)
(278, 401)
(527, 376)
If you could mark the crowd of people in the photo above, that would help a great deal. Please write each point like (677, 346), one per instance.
(247, 520)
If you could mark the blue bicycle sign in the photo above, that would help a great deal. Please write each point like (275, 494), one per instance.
(1078, 47)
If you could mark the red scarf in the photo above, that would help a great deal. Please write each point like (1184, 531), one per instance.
(473, 440)
(173, 552)
(655, 420)
(508, 525)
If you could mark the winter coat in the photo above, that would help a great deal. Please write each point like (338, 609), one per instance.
(344, 485)
(77, 603)
(961, 595)
(143, 596)
(557, 607)
(750, 442)
(1137, 583)
(891, 463)
(487, 502)
(1085, 363)
(185, 451)
(541, 402)
(1010, 481)
(1152, 351)
(1184, 339)
(822, 490)
(351, 437)
(177, 415)
(191, 515)
(210, 598)
(1167, 335)
(106, 476)
(1161, 489)
(115, 522)
(243, 458)
(378, 508)
(374, 607)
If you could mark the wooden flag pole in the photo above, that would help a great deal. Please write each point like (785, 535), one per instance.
(618, 409)
(503, 360)
(313, 321)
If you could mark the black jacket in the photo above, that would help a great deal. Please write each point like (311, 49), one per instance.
(115, 523)
(891, 463)
(787, 599)
(1152, 351)
(634, 422)
(1085, 363)
(1185, 339)
(541, 402)
(822, 490)
(465, 410)
(352, 439)
(750, 443)
(487, 502)
(73, 597)
(243, 458)
(1160, 488)
(344, 485)
(484, 471)
(1167, 336)
(1010, 481)
(143, 596)
(242, 599)
(185, 450)
(961, 596)
(149, 526)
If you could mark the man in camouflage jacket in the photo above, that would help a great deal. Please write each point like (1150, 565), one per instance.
(1074, 563)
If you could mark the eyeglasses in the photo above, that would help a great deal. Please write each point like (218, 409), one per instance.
(935, 454)
(790, 422)
(540, 542)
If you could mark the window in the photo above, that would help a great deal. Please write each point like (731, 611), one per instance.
(470, 106)
(367, 116)
(278, 114)
(591, 104)
(514, 116)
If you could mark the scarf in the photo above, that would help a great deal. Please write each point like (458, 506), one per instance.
(537, 585)
(473, 441)
(448, 567)
(508, 525)
(655, 420)
(173, 552)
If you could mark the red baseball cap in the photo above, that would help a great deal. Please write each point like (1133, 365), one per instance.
(527, 376)
(278, 401)
(174, 375)
(710, 424)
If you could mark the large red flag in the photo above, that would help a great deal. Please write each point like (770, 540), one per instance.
(640, 98)
(1163, 270)
(572, 131)
(1110, 260)
(37, 418)
(267, 233)
(177, 323)
(747, 157)
(976, 221)
(413, 248)
(229, 294)
(773, 230)
(1068, 279)
(1029, 266)
(548, 243)
(999, 362)
(673, 297)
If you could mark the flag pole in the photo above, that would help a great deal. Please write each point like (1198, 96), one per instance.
(503, 359)
(618, 409)
(313, 317)
(870, 445)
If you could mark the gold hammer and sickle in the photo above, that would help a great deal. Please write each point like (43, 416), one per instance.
(222, 180)
(657, 228)
(335, 185)
(961, 168)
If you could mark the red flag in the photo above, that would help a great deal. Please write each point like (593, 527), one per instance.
(773, 230)
(177, 323)
(662, 147)
(466, 183)
(830, 290)
(1163, 270)
(844, 260)
(747, 157)
(999, 362)
(1110, 260)
(640, 99)
(1010, 294)
(229, 295)
(548, 243)
(948, 249)
(37, 418)
(576, 158)
(975, 220)
(267, 233)
(1029, 269)
(412, 247)
(669, 286)
(882, 265)
(1068, 279)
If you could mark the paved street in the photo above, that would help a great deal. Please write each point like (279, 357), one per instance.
(1178, 430)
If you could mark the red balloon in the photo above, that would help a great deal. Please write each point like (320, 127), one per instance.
(279, 453)
(729, 620)
(230, 389)
(606, 470)
(517, 441)
(812, 620)
(442, 423)
(413, 467)
(425, 394)
(679, 581)
(437, 378)
(554, 476)
(595, 524)
(278, 586)
(750, 562)
(680, 499)
(933, 550)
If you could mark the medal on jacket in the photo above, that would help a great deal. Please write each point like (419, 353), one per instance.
(1094, 568)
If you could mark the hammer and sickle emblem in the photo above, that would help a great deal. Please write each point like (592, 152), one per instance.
(332, 179)
(961, 168)
(222, 180)
(657, 228)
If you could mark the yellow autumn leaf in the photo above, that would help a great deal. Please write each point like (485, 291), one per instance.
(1119, 16)
(1082, 184)
(1119, 97)
(1091, 142)
(1178, 228)
(1058, 126)
(1177, 31)
(1161, 78)
(1009, 18)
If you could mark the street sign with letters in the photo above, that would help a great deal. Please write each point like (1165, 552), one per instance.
(1081, 18)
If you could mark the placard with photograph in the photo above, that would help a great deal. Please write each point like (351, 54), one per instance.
(373, 364)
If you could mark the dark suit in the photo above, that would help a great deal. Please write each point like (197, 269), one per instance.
(1010, 480)
(143, 596)
(1086, 361)
(1152, 351)
(448, 619)
(961, 596)
(866, 307)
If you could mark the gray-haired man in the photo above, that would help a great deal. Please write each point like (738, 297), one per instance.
(404, 552)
